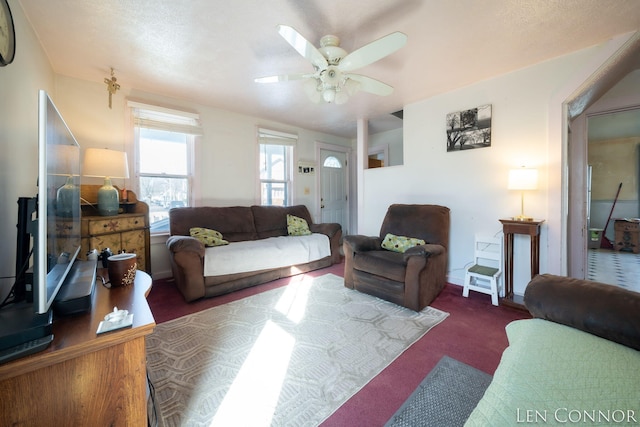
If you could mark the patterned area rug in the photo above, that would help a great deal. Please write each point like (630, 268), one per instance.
(289, 356)
(446, 397)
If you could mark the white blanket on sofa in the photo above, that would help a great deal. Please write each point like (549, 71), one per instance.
(273, 252)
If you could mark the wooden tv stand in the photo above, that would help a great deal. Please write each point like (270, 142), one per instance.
(83, 378)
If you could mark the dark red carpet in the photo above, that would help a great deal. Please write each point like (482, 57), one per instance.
(473, 333)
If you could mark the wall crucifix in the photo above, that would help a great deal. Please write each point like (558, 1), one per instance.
(112, 86)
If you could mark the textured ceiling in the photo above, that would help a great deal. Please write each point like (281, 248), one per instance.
(209, 51)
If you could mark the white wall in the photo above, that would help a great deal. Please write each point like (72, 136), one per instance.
(473, 183)
(392, 139)
(526, 130)
(226, 160)
(227, 153)
(19, 85)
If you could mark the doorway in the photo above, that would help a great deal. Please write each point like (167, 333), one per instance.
(334, 187)
(613, 156)
(600, 137)
(613, 87)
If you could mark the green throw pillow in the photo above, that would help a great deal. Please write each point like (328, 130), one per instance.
(400, 243)
(208, 237)
(297, 226)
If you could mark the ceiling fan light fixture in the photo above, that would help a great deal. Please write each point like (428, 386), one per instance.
(331, 76)
(329, 95)
(341, 97)
(331, 50)
(313, 88)
(351, 86)
(332, 80)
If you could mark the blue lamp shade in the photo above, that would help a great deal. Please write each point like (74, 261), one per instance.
(109, 164)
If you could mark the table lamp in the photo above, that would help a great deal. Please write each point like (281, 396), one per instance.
(99, 162)
(65, 161)
(523, 179)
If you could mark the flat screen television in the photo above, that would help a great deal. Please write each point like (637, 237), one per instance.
(56, 237)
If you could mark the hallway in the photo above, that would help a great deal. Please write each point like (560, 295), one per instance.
(615, 268)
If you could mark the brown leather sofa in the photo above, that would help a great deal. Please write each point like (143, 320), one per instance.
(236, 223)
(411, 279)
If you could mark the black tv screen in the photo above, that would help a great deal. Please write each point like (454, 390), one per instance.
(57, 238)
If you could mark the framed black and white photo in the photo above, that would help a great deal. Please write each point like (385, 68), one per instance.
(306, 167)
(469, 129)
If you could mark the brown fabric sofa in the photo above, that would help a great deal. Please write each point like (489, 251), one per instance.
(236, 223)
(411, 279)
(607, 311)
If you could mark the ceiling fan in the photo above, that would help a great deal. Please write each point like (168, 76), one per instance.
(332, 80)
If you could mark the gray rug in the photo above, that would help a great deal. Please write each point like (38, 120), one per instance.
(286, 357)
(446, 397)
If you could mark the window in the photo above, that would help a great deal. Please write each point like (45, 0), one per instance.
(163, 144)
(332, 162)
(276, 160)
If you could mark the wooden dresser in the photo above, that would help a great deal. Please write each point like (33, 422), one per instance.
(627, 232)
(127, 231)
(85, 379)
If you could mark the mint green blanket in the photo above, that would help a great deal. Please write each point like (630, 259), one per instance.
(553, 374)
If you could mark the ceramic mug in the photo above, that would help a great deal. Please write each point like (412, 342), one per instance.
(122, 269)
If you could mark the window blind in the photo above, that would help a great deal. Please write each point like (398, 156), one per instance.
(166, 119)
(273, 137)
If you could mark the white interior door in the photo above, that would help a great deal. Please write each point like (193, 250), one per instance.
(333, 188)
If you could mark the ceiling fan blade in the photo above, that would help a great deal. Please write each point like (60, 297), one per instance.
(282, 78)
(367, 84)
(303, 46)
(373, 51)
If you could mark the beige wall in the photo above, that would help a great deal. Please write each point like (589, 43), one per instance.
(613, 162)
(19, 85)
(615, 117)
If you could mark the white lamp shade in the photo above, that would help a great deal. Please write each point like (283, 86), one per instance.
(523, 179)
(64, 159)
(101, 162)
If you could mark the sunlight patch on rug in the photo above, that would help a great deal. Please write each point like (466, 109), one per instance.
(290, 356)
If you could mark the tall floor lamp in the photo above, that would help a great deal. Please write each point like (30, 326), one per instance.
(523, 179)
(100, 162)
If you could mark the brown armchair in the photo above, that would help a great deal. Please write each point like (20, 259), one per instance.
(411, 279)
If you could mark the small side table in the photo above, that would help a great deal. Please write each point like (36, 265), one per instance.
(509, 228)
